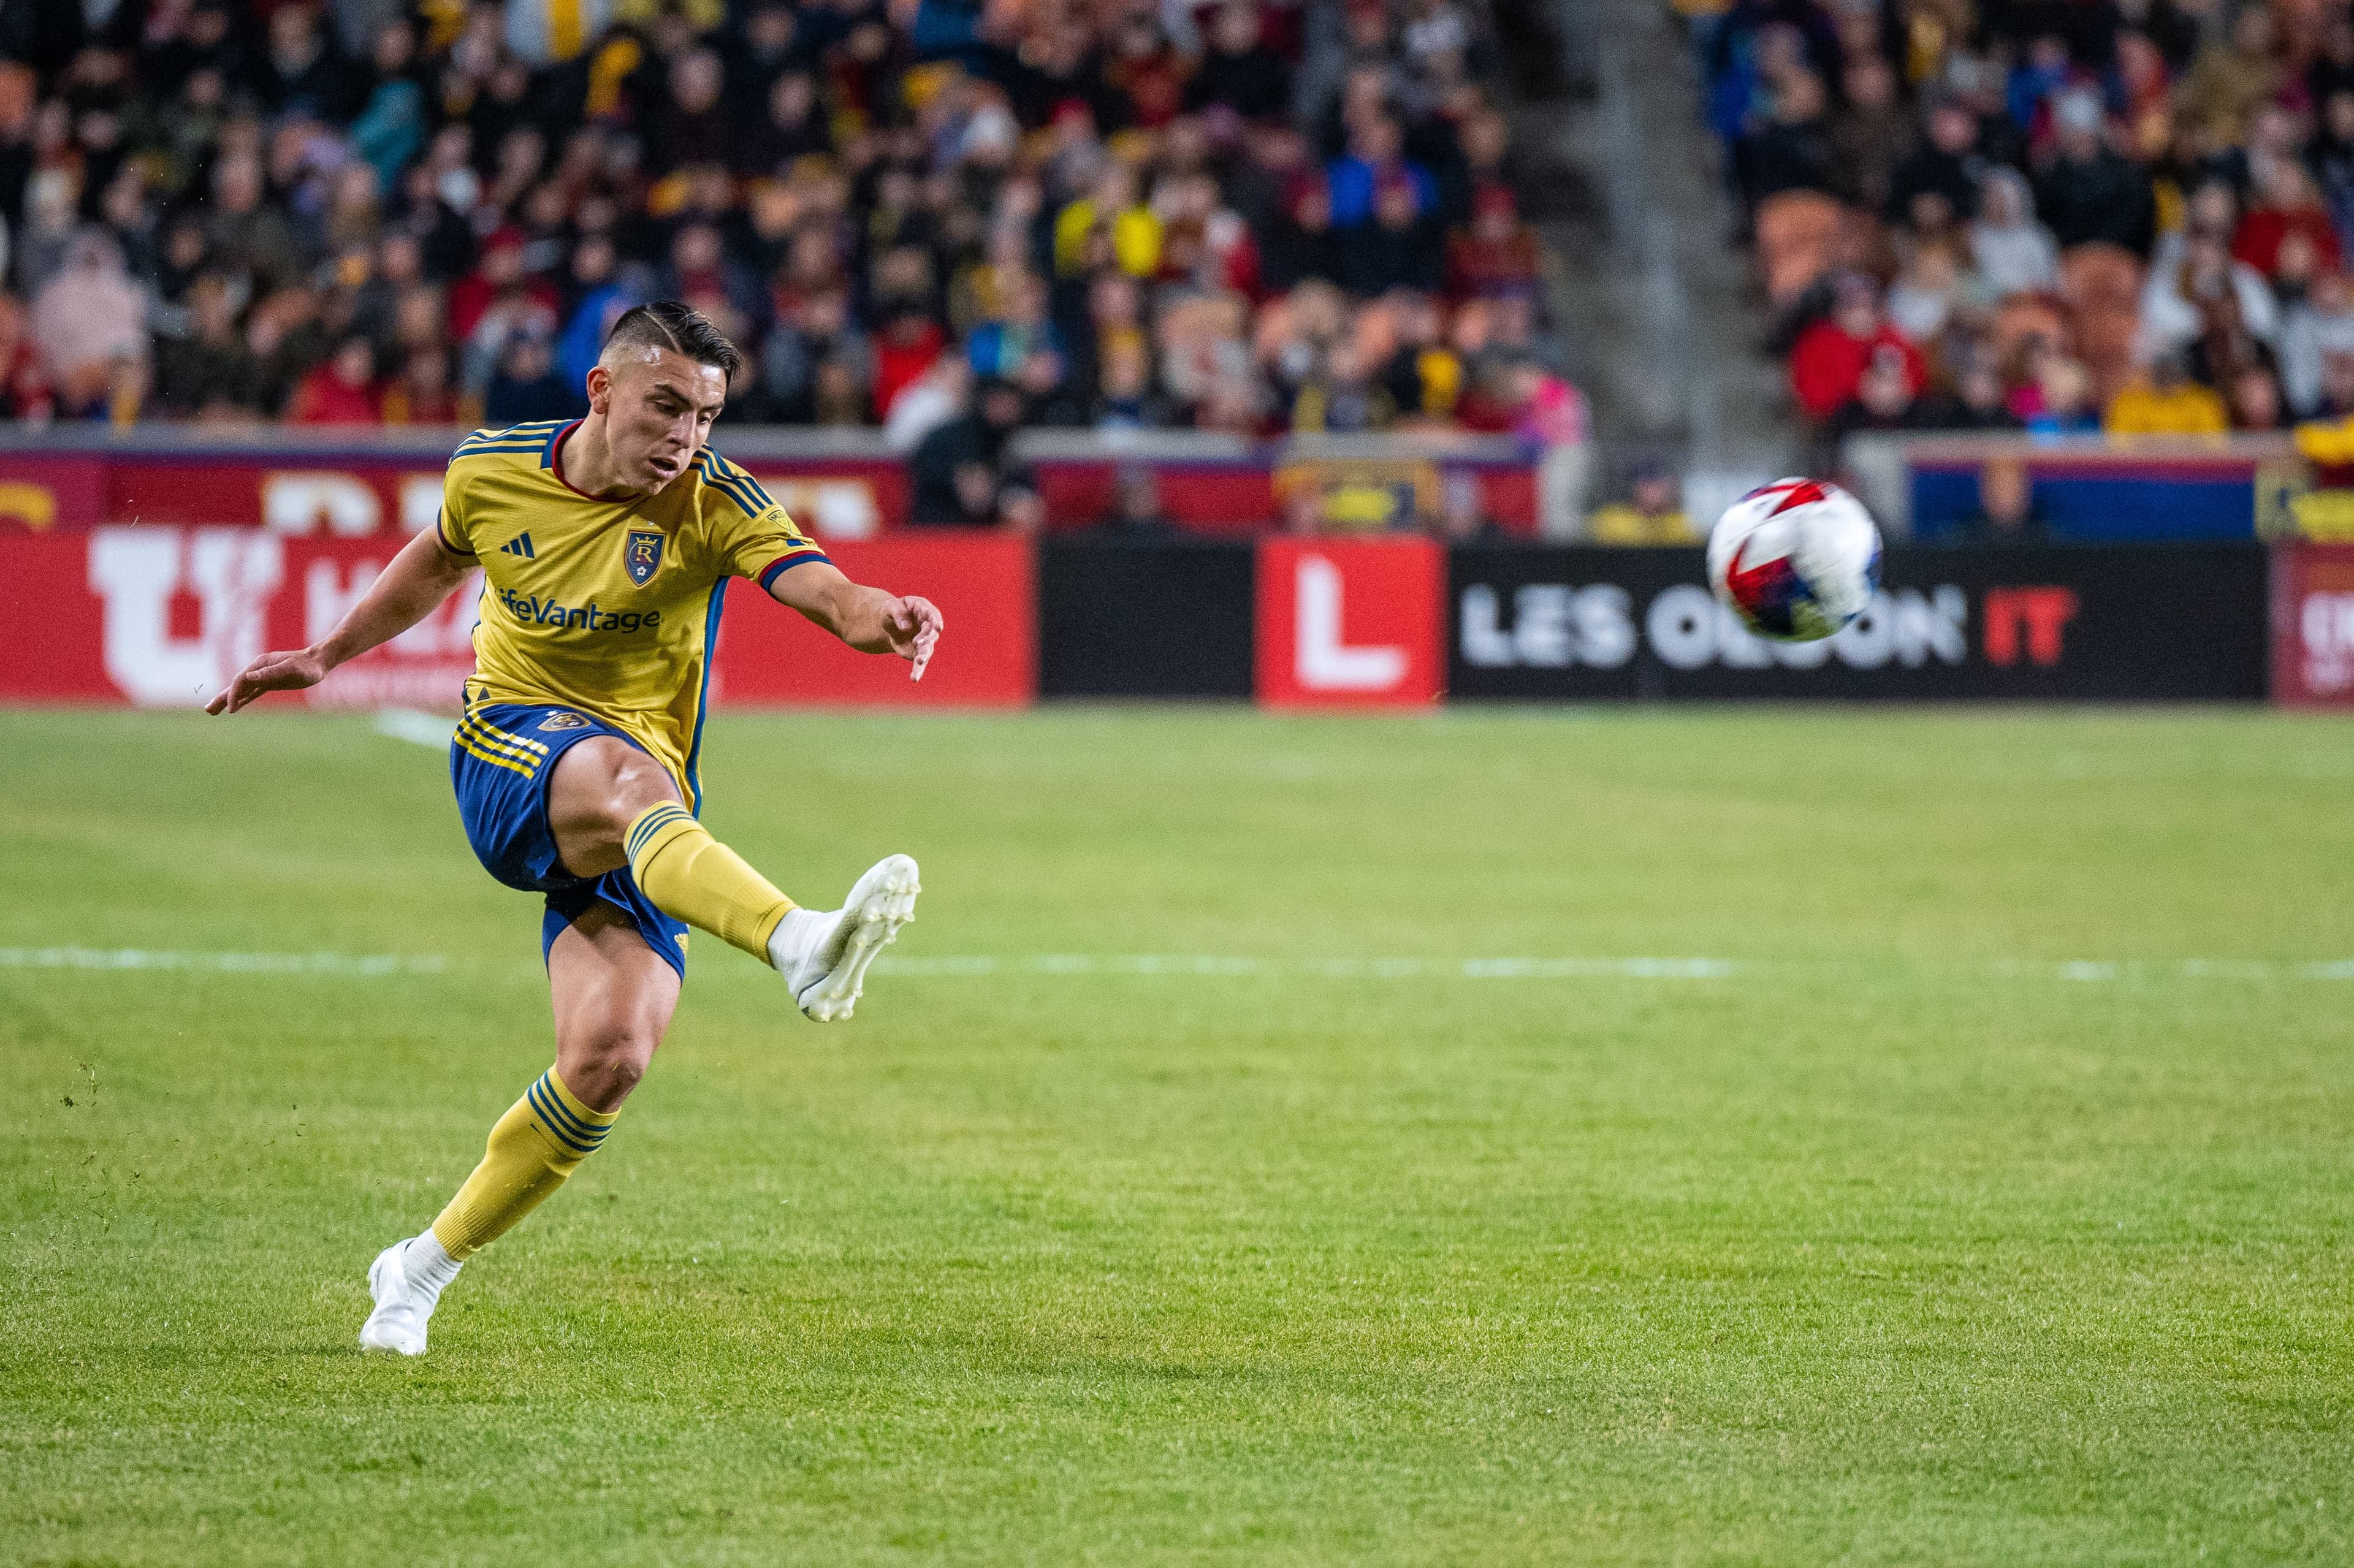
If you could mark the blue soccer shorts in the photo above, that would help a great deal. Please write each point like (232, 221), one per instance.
(500, 760)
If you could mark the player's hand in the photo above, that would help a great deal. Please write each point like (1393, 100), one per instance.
(914, 626)
(288, 672)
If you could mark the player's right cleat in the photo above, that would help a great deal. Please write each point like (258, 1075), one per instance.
(403, 1304)
(824, 958)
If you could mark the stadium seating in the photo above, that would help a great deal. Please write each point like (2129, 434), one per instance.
(1143, 218)
(2026, 185)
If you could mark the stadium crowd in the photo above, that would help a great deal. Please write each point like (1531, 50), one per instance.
(2130, 216)
(1251, 215)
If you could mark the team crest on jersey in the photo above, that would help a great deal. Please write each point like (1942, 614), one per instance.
(641, 555)
(564, 721)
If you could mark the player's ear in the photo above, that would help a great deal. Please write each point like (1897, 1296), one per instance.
(600, 387)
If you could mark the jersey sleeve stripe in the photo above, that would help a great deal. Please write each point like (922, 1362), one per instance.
(758, 492)
(440, 527)
(734, 493)
(790, 558)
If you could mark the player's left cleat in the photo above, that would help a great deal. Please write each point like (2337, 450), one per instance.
(404, 1301)
(824, 957)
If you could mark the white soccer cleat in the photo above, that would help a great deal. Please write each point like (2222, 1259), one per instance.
(402, 1307)
(824, 958)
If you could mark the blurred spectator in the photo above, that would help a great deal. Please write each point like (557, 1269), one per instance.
(24, 392)
(2255, 399)
(2007, 511)
(2313, 326)
(1944, 169)
(525, 386)
(1424, 377)
(1463, 515)
(1239, 72)
(425, 392)
(1338, 397)
(1652, 513)
(2218, 308)
(1976, 400)
(1828, 364)
(1868, 133)
(2088, 192)
(2059, 400)
(1137, 512)
(1884, 400)
(2288, 214)
(2165, 401)
(962, 474)
(87, 316)
(2012, 253)
(1496, 257)
(206, 370)
(2232, 76)
(341, 391)
(1793, 150)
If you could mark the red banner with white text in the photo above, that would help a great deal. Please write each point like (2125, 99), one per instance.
(161, 616)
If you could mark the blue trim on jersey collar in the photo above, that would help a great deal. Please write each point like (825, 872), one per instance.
(548, 452)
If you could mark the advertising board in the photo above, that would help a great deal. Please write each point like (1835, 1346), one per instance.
(165, 617)
(2072, 623)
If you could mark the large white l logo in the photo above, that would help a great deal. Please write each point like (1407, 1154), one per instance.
(1321, 661)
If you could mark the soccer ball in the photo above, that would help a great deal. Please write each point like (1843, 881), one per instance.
(1795, 559)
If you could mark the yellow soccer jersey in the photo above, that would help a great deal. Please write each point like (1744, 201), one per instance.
(610, 606)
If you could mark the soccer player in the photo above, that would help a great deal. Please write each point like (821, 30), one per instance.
(606, 544)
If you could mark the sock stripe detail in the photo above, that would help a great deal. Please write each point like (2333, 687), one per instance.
(656, 819)
(591, 1123)
(569, 1130)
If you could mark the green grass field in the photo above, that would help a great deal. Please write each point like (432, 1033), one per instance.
(1987, 1199)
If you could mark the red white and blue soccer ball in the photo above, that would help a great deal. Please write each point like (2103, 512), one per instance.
(1795, 559)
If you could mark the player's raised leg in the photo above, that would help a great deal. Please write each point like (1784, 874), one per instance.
(611, 805)
(613, 997)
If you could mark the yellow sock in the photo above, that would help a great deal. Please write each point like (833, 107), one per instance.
(541, 1141)
(693, 877)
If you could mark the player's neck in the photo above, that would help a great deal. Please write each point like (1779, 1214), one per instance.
(585, 461)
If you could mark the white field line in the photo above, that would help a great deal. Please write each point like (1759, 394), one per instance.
(1209, 966)
(367, 964)
(1199, 966)
(417, 727)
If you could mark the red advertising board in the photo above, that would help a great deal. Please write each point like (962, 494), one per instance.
(1350, 622)
(39, 491)
(359, 490)
(2313, 625)
(165, 617)
(988, 656)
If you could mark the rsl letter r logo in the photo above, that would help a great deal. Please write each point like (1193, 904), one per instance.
(641, 555)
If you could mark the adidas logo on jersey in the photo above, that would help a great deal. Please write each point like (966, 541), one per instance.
(518, 545)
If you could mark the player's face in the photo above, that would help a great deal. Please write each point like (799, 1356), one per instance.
(658, 409)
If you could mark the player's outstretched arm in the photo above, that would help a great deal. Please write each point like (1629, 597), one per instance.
(420, 577)
(869, 618)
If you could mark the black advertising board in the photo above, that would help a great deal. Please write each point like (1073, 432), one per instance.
(2099, 622)
(1144, 619)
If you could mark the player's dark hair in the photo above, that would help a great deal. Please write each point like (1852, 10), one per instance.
(682, 329)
